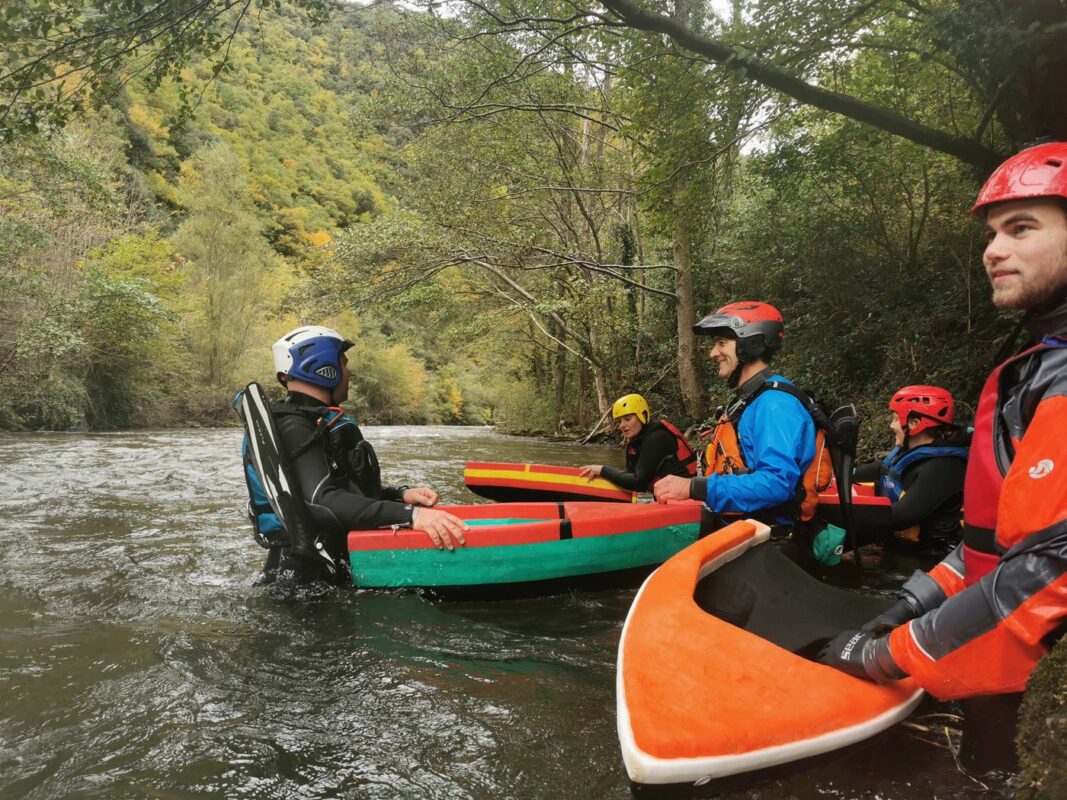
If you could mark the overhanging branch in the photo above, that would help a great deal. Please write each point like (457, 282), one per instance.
(967, 150)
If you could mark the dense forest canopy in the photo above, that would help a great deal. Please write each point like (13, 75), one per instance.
(518, 207)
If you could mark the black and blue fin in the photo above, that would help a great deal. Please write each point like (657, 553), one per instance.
(276, 477)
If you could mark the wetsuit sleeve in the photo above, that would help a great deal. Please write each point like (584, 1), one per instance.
(778, 443)
(655, 448)
(867, 473)
(394, 492)
(948, 575)
(329, 493)
(928, 487)
(987, 638)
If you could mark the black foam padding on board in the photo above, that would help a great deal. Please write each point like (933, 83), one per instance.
(767, 594)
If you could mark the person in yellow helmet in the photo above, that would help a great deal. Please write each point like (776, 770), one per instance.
(653, 449)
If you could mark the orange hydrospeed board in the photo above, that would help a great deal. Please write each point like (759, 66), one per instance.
(520, 483)
(700, 697)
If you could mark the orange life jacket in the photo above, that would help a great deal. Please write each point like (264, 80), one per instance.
(723, 456)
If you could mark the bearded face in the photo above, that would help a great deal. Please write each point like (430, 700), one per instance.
(1026, 257)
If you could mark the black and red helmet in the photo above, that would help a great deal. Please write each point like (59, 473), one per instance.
(932, 406)
(758, 327)
(1039, 171)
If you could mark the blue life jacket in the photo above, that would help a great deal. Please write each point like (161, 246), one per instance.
(897, 461)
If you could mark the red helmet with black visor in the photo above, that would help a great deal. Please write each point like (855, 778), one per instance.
(757, 327)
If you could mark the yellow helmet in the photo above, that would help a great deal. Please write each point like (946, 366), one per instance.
(631, 404)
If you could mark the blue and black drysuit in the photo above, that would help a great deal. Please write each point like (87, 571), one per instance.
(777, 439)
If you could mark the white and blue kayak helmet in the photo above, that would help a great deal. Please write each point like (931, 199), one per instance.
(310, 353)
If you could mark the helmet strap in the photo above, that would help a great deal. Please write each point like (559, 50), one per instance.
(735, 377)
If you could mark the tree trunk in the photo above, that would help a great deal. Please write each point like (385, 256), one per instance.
(684, 302)
(561, 383)
(603, 400)
(583, 387)
(685, 314)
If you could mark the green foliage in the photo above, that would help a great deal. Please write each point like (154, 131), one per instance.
(1042, 734)
(871, 259)
(388, 384)
(62, 56)
(524, 410)
(281, 106)
(146, 257)
(228, 262)
(253, 180)
(121, 324)
(449, 397)
(503, 210)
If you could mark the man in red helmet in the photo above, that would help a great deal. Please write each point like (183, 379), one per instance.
(978, 622)
(765, 440)
(923, 474)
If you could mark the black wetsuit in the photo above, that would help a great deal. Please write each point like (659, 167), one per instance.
(651, 455)
(932, 500)
(334, 498)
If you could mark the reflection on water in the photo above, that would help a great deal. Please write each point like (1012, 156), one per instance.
(138, 661)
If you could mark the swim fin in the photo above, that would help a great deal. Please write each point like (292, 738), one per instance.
(277, 478)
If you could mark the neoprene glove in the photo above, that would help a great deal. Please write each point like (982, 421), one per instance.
(862, 655)
(903, 610)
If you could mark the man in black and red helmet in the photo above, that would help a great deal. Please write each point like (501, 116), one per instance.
(923, 474)
(765, 440)
(978, 622)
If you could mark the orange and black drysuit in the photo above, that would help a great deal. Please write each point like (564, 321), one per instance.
(988, 610)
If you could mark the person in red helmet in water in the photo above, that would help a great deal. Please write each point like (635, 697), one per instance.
(923, 474)
(978, 622)
(765, 440)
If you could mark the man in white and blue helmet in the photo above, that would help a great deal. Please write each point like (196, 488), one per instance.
(336, 468)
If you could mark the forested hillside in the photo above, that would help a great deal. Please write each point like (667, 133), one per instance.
(518, 210)
(151, 253)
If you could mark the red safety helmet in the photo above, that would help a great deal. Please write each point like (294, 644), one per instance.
(1039, 171)
(932, 405)
(758, 327)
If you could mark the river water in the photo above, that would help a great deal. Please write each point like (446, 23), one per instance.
(137, 660)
